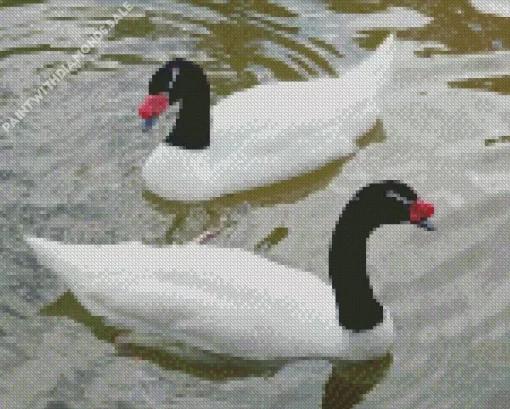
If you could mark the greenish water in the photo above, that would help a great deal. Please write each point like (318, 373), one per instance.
(70, 170)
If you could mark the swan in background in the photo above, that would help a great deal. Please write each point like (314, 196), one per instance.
(259, 136)
(235, 303)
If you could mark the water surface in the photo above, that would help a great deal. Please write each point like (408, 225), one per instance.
(70, 170)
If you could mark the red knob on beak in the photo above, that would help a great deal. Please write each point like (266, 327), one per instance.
(153, 105)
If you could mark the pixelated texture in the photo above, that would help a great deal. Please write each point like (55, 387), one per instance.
(72, 157)
(261, 135)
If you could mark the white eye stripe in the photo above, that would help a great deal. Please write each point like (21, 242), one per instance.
(391, 193)
(174, 74)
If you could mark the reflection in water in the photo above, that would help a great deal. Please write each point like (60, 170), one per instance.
(68, 306)
(189, 360)
(272, 239)
(356, 6)
(218, 212)
(500, 85)
(349, 382)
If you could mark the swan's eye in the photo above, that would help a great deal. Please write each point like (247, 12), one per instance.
(401, 199)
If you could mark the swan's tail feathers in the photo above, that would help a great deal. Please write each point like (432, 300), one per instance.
(388, 44)
(39, 245)
(46, 252)
(383, 57)
(373, 72)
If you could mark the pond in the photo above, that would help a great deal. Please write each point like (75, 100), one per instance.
(70, 170)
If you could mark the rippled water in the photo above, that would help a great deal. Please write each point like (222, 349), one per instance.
(71, 171)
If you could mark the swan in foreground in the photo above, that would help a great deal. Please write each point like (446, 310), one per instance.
(235, 303)
(258, 136)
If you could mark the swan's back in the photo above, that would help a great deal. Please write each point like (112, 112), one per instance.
(189, 292)
(284, 108)
(191, 262)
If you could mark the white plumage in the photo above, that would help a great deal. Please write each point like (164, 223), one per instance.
(227, 301)
(274, 132)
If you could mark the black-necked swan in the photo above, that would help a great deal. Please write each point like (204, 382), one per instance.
(259, 136)
(233, 302)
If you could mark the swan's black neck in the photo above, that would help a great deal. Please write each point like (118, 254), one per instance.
(193, 125)
(358, 310)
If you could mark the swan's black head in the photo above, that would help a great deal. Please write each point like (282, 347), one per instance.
(178, 78)
(389, 202)
(184, 82)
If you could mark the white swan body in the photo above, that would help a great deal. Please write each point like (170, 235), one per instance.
(227, 301)
(274, 132)
(232, 302)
